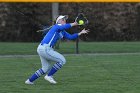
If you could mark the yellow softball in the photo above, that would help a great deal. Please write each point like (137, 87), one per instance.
(81, 22)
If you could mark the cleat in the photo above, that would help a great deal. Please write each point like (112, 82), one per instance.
(50, 79)
(28, 82)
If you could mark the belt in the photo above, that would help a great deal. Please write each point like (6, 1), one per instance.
(46, 44)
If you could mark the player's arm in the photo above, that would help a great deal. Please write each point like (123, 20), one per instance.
(74, 36)
(74, 24)
(64, 27)
(67, 26)
(70, 36)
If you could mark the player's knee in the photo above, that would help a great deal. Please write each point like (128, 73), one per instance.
(63, 61)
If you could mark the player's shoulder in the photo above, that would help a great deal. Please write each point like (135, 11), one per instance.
(55, 26)
(58, 24)
(62, 25)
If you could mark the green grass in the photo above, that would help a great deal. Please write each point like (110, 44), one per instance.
(69, 47)
(9, 48)
(81, 74)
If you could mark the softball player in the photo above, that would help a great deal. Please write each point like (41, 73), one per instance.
(47, 53)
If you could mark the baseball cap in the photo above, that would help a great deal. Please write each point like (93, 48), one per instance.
(61, 17)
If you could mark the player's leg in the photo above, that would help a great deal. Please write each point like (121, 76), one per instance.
(60, 61)
(39, 72)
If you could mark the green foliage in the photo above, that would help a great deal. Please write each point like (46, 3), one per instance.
(107, 21)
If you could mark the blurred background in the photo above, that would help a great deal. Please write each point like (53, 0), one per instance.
(107, 21)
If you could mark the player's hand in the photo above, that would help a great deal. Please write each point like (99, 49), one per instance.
(84, 31)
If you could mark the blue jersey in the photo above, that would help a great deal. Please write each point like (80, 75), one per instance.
(57, 32)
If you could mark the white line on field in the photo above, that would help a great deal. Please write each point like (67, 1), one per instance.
(77, 66)
(82, 54)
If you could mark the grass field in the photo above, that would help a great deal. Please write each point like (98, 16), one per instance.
(69, 47)
(83, 73)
